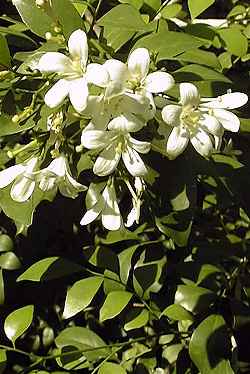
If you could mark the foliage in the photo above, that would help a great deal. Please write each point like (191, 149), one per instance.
(160, 283)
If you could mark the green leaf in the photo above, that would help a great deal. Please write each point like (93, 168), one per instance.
(168, 44)
(86, 341)
(4, 52)
(177, 313)
(3, 360)
(120, 24)
(35, 18)
(194, 72)
(210, 345)
(6, 243)
(154, 4)
(135, 3)
(171, 11)
(113, 305)
(49, 268)
(67, 15)
(1, 291)
(196, 7)
(236, 42)
(171, 353)
(139, 321)
(80, 295)
(111, 368)
(198, 56)
(193, 298)
(125, 258)
(18, 322)
(9, 261)
(8, 127)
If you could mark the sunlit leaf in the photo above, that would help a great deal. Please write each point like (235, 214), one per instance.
(18, 322)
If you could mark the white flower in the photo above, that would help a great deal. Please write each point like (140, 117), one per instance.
(23, 178)
(202, 123)
(134, 214)
(115, 144)
(73, 72)
(139, 79)
(57, 175)
(104, 205)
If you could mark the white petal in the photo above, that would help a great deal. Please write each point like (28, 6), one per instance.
(8, 175)
(202, 143)
(22, 189)
(133, 162)
(228, 120)
(93, 139)
(139, 146)
(126, 123)
(138, 63)
(159, 82)
(57, 166)
(55, 62)
(69, 187)
(107, 161)
(78, 93)
(93, 195)
(227, 101)
(97, 75)
(57, 93)
(177, 142)
(47, 182)
(111, 217)
(117, 70)
(78, 46)
(189, 94)
(92, 213)
(211, 124)
(171, 114)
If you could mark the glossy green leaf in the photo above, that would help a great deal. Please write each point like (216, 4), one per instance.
(9, 261)
(171, 353)
(177, 313)
(1, 288)
(198, 56)
(193, 298)
(4, 52)
(135, 3)
(18, 322)
(194, 72)
(125, 258)
(210, 345)
(35, 18)
(115, 302)
(171, 11)
(196, 7)
(67, 16)
(8, 127)
(3, 360)
(49, 268)
(6, 243)
(111, 368)
(236, 42)
(139, 321)
(80, 295)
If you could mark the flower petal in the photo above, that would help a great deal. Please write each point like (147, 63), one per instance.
(126, 123)
(93, 139)
(69, 187)
(189, 94)
(111, 216)
(133, 162)
(228, 120)
(177, 142)
(138, 63)
(55, 62)
(211, 124)
(228, 101)
(8, 175)
(118, 73)
(159, 81)
(78, 46)
(22, 188)
(139, 146)
(57, 93)
(171, 114)
(97, 75)
(202, 143)
(92, 213)
(78, 93)
(107, 161)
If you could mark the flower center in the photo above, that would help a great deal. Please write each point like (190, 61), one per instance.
(190, 116)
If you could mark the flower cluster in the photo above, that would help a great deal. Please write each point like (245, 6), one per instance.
(119, 100)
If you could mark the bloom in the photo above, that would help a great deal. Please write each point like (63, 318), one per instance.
(23, 177)
(74, 73)
(116, 144)
(202, 121)
(57, 175)
(104, 205)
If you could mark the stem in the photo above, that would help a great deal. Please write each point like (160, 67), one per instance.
(105, 360)
(158, 149)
